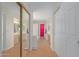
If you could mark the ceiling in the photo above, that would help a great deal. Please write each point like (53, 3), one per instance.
(42, 10)
(10, 8)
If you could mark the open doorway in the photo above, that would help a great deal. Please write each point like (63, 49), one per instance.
(41, 42)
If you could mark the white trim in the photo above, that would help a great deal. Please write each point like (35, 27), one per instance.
(53, 29)
(2, 31)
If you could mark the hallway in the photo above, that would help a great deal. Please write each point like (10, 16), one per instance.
(48, 28)
(36, 23)
(43, 50)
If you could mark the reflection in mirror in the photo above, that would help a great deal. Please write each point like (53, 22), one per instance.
(10, 13)
(25, 33)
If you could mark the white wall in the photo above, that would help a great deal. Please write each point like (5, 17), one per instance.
(7, 26)
(0, 31)
(35, 30)
(9, 31)
(50, 31)
(67, 30)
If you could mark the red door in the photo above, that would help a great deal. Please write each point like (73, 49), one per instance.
(41, 30)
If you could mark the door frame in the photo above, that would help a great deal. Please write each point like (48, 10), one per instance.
(21, 19)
